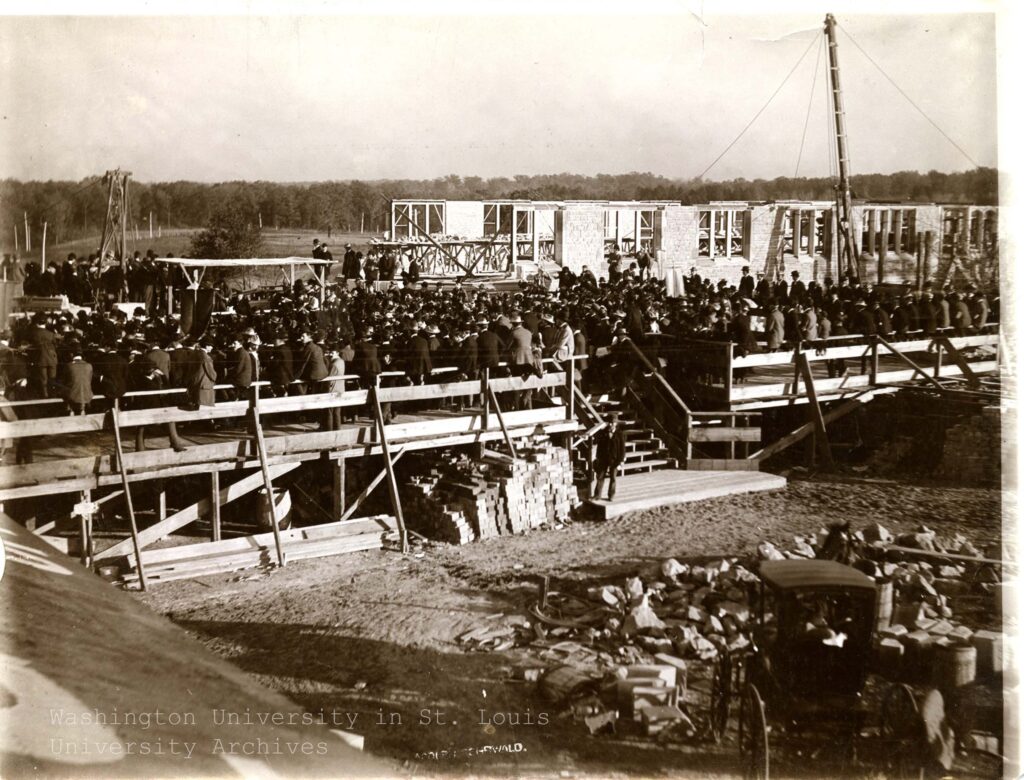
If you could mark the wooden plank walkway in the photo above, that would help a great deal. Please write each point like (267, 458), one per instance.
(676, 486)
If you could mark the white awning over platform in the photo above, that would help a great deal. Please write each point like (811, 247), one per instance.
(189, 262)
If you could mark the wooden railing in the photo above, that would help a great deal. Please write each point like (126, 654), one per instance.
(709, 368)
(658, 404)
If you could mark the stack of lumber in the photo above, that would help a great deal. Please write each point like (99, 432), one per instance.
(245, 552)
(457, 499)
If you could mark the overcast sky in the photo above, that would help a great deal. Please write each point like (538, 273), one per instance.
(340, 97)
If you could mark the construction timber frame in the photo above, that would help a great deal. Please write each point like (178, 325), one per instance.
(263, 458)
(787, 378)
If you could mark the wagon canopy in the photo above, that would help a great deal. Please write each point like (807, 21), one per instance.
(812, 575)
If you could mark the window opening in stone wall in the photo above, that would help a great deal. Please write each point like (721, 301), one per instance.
(720, 232)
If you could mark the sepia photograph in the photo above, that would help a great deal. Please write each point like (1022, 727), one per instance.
(484, 390)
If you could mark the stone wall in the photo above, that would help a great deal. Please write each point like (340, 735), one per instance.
(579, 230)
(973, 449)
(579, 236)
(464, 218)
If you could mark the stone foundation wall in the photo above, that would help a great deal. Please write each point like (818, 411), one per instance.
(973, 449)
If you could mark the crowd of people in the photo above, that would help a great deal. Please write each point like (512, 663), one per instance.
(414, 332)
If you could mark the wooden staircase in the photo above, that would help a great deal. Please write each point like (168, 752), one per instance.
(645, 451)
(702, 441)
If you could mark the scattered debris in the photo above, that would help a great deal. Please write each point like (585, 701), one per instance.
(622, 655)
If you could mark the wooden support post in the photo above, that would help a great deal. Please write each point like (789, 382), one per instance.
(871, 231)
(485, 396)
(501, 422)
(28, 235)
(127, 495)
(535, 236)
(370, 488)
(938, 358)
(897, 230)
(729, 350)
(191, 513)
(161, 501)
(44, 246)
(873, 372)
(570, 388)
(85, 529)
(513, 233)
(261, 449)
(396, 501)
(920, 266)
(814, 409)
(338, 488)
(637, 223)
(215, 505)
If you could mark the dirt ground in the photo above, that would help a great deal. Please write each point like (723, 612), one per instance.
(369, 638)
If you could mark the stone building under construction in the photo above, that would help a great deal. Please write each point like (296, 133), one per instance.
(896, 242)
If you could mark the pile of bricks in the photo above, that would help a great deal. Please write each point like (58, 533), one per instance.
(459, 499)
(428, 513)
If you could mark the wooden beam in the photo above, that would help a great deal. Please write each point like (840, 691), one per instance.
(396, 501)
(908, 361)
(807, 428)
(338, 470)
(52, 426)
(261, 450)
(371, 487)
(781, 392)
(215, 505)
(814, 409)
(962, 364)
(501, 422)
(193, 512)
(707, 433)
(127, 495)
(95, 471)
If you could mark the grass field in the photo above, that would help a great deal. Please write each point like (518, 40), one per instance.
(276, 243)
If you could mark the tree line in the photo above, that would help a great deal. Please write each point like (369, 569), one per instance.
(77, 209)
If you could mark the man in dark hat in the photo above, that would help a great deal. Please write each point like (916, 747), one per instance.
(280, 368)
(204, 377)
(42, 351)
(311, 366)
(350, 265)
(78, 381)
(746, 285)
(367, 362)
(797, 289)
(239, 370)
(610, 453)
(418, 363)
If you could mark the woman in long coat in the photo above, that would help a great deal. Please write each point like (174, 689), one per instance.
(200, 385)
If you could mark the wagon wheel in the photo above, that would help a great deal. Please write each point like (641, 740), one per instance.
(903, 730)
(753, 734)
(721, 696)
(985, 574)
(900, 713)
